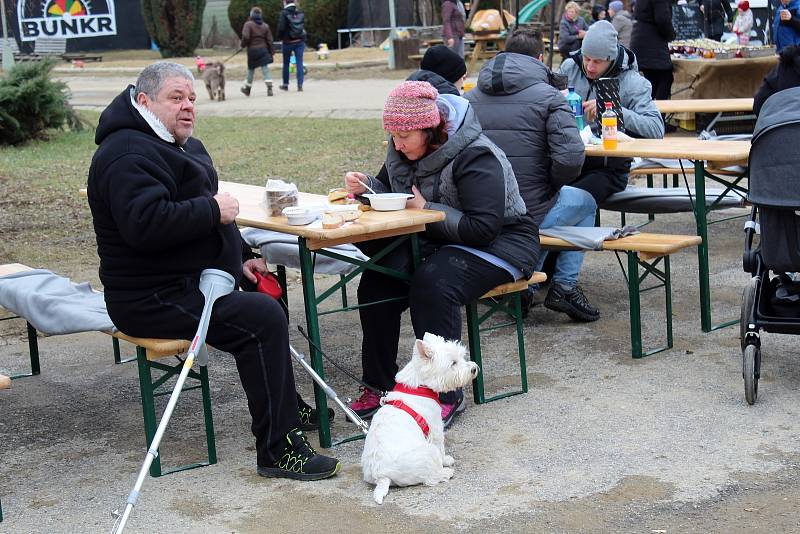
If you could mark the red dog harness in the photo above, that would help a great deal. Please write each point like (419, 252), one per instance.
(421, 391)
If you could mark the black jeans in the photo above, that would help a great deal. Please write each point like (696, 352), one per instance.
(444, 282)
(602, 177)
(251, 326)
(661, 80)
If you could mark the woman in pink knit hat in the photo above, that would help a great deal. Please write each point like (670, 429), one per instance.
(438, 153)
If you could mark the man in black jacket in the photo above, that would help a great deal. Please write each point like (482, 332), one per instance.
(159, 221)
(523, 112)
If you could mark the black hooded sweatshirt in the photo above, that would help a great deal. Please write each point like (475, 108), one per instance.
(154, 215)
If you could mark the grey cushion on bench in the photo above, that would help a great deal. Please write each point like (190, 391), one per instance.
(588, 238)
(282, 249)
(665, 200)
(53, 304)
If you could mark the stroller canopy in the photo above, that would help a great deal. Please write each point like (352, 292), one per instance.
(775, 152)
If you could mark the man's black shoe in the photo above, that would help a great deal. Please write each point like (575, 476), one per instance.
(571, 301)
(300, 461)
(308, 415)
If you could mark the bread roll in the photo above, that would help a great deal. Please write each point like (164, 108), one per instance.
(337, 196)
(332, 220)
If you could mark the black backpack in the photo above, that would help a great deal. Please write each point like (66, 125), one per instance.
(296, 24)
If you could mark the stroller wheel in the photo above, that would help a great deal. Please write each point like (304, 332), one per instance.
(748, 300)
(751, 367)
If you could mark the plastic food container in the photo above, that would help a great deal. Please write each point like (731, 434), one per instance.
(298, 216)
(388, 201)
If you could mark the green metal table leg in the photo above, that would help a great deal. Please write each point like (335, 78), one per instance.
(1, 512)
(209, 419)
(523, 367)
(33, 347)
(668, 299)
(284, 289)
(474, 343)
(344, 292)
(701, 217)
(312, 321)
(415, 255)
(148, 406)
(634, 297)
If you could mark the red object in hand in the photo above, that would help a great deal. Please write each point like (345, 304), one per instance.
(268, 284)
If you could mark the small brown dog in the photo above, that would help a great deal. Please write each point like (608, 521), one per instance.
(214, 78)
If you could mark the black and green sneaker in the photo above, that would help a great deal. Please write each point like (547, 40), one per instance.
(308, 415)
(300, 461)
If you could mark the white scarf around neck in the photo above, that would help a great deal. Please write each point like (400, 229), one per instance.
(154, 122)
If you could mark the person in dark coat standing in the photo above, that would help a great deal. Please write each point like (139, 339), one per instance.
(292, 33)
(716, 14)
(454, 18)
(784, 75)
(257, 38)
(160, 220)
(650, 43)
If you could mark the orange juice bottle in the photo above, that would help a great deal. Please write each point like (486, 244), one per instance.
(609, 122)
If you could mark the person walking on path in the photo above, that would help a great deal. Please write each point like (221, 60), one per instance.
(454, 18)
(257, 38)
(292, 33)
(650, 42)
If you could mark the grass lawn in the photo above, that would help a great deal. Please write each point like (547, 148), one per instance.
(44, 222)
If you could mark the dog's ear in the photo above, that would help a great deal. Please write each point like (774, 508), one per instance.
(423, 350)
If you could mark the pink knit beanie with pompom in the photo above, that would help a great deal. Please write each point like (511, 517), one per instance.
(411, 106)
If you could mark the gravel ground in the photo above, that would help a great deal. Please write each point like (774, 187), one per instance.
(600, 443)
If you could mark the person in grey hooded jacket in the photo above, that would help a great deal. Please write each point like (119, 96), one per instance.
(523, 111)
(601, 56)
(438, 153)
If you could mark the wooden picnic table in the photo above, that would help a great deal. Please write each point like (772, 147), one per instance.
(705, 105)
(717, 154)
(403, 225)
(480, 50)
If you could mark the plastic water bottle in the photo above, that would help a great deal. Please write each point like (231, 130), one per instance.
(292, 63)
(609, 122)
(576, 103)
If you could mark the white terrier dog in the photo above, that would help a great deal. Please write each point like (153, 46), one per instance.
(405, 442)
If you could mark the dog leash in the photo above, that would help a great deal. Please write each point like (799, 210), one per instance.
(339, 367)
(231, 56)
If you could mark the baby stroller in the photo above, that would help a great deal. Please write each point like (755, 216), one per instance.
(771, 300)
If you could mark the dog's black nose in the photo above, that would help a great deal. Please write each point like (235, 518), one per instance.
(474, 371)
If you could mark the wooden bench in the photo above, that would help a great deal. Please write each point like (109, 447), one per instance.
(645, 251)
(506, 298)
(148, 353)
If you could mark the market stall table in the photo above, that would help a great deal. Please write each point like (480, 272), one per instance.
(714, 154)
(403, 225)
(719, 78)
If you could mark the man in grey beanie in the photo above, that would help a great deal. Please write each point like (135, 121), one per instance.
(601, 56)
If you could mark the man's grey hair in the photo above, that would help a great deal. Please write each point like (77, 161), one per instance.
(152, 78)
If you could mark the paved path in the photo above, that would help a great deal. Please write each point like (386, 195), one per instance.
(342, 99)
